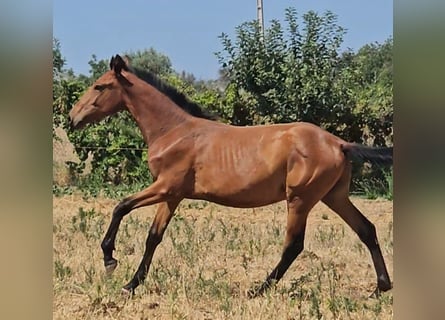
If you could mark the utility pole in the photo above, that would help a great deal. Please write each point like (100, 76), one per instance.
(259, 4)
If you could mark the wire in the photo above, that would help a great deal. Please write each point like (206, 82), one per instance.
(109, 148)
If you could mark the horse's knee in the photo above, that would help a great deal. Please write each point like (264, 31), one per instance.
(121, 209)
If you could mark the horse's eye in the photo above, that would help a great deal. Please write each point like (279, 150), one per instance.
(100, 87)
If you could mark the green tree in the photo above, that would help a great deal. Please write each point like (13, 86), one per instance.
(365, 85)
(58, 60)
(285, 76)
(97, 68)
(151, 60)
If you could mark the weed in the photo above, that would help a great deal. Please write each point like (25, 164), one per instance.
(374, 186)
(233, 242)
(359, 247)
(61, 271)
(330, 236)
(314, 297)
(80, 223)
(389, 181)
(334, 302)
(254, 246)
(59, 191)
(199, 205)
(90, 273)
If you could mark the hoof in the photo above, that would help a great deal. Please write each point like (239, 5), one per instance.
(128, 293)
(254, 292)
(110, 266)
(375, 294)
(258, 290)
(378, 291)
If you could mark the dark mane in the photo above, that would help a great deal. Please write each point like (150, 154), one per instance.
(177, 97)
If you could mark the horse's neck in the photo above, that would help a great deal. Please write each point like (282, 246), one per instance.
(155, 114)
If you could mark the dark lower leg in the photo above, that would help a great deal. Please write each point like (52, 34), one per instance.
(367, 234)
(153, 241)
(293, 243)
(151, 195)
(108, 243)
(369, 238)
(163, 216)
(290, 253)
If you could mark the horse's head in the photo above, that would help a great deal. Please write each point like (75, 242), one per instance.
(105, 97)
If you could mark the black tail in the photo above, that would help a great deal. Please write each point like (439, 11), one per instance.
(375, 155)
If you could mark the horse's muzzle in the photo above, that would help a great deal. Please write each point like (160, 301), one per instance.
(75, 124)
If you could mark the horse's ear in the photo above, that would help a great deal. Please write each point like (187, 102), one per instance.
(118, 64)
(111, 63)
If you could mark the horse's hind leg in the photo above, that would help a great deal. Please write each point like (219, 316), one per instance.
(293, 244)
(338, 200)
(163, 216)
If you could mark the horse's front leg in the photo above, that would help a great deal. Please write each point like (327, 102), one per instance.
(157, 192)
(163, 216)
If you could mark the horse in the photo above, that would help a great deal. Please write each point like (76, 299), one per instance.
(191, 156)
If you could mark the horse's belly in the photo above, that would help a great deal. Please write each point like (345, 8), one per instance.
(235, 193)
(242, 202)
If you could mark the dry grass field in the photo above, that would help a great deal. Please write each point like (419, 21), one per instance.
(209, 258)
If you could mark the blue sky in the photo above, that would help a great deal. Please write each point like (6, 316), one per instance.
(187, 31)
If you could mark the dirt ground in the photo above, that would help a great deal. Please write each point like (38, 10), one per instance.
(210, 256)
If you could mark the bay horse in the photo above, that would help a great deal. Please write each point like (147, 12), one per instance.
(192, 157)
